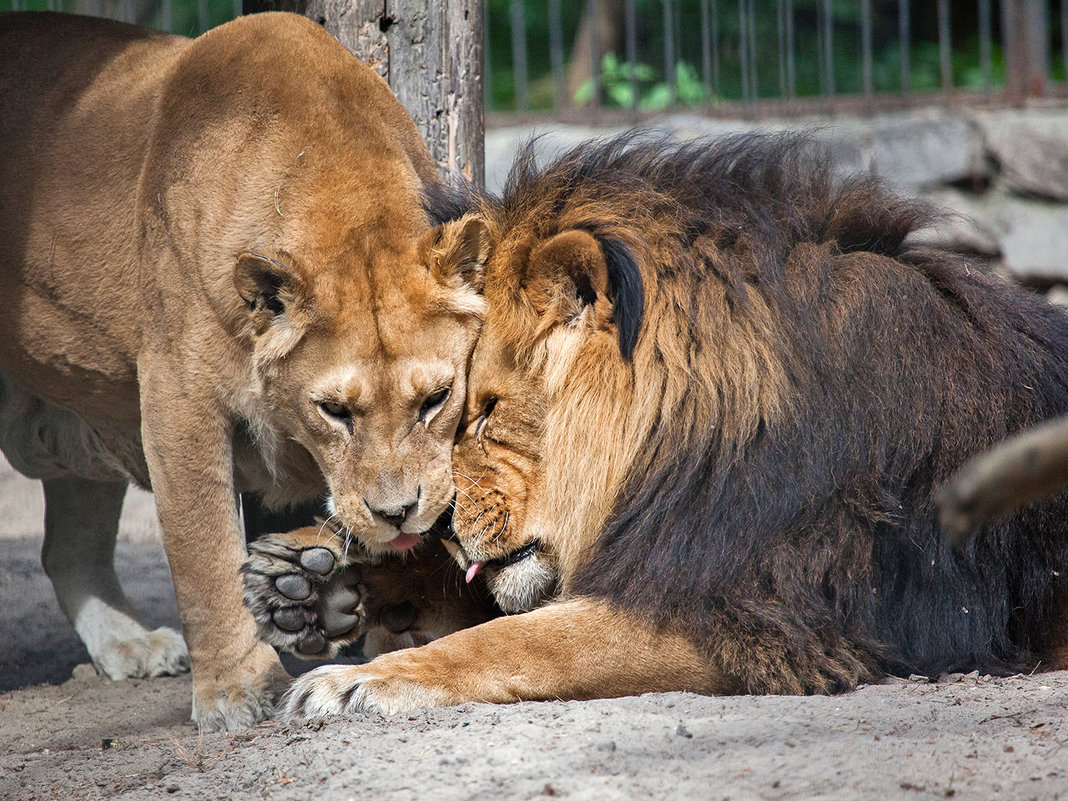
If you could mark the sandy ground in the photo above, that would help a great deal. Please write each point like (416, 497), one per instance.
(66, 733)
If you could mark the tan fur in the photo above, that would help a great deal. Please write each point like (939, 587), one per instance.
(711, 402)
(545, 467)
(577, 649)
(203, 246)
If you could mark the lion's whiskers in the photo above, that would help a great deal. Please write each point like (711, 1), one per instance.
(474, 482)
(504, 525)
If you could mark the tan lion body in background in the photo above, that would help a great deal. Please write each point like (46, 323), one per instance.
(213, 281)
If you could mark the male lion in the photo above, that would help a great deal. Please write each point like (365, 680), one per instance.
(214, 280)
(712, 400)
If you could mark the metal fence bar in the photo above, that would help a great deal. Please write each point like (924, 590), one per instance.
(202, 16)
(1025, 32)
(706, 52)
(791, 73)
(1038, 35)
(556, 54)
(715, 49)
(985, 37)
(487, 63)
(828, 40)
(743, 45)
(1064, 38)
(631, 34)
(866, 46)
(904, 30)
(669, 49)
(780, 28)
(520, 78)
(595, 52)
(754, 82)
(944, 54)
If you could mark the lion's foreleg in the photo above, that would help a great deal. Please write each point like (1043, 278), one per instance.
(187, 440)
(577, 649)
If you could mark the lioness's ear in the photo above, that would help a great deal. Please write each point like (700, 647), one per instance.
(457, 251)
(265, 284)
(576, 269)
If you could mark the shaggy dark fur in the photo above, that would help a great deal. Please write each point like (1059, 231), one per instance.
(823, 528)
(808, 556)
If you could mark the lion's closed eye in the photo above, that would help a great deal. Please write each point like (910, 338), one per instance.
(480, 424)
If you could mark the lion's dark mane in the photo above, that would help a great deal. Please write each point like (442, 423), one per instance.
(808, 557)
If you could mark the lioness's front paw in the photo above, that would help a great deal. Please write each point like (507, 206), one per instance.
(160, 652)
(301, 594)
(340, 689)
(243, 698)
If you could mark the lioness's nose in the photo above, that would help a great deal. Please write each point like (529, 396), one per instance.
(396, 516)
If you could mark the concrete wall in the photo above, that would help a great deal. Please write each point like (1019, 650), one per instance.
(1002, 175)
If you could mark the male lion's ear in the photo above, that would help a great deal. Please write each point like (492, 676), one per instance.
(596, 271)
(265, 284)
(458, 251)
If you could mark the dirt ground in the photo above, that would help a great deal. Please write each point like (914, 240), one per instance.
(66, 733)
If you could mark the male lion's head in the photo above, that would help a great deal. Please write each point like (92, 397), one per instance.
(620, 331)
(540, 452)
(361, 352)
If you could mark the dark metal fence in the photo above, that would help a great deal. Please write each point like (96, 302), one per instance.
(188, 17)
(594, 57)
(777, 56)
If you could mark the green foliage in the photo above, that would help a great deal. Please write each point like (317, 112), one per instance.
(184, 19)
(654, 92)
(617, 86)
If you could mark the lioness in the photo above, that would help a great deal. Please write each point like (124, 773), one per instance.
(217, 275)
(711, 403)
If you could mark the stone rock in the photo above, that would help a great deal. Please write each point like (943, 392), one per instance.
(964, 225)
(1034, 237)
(1031, 146)
(926, 150)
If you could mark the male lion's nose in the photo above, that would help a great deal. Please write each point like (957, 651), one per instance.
(395, 516)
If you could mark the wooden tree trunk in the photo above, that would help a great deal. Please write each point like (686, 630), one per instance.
(431, 55)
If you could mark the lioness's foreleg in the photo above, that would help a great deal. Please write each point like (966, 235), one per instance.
(187, 441)
(576, 649)
(81, 521)
(312, 591)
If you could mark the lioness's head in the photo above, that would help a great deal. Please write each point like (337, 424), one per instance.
(540, 455)
(361, 352)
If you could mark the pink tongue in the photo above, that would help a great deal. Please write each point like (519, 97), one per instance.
(402, 542)
(472, 571)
